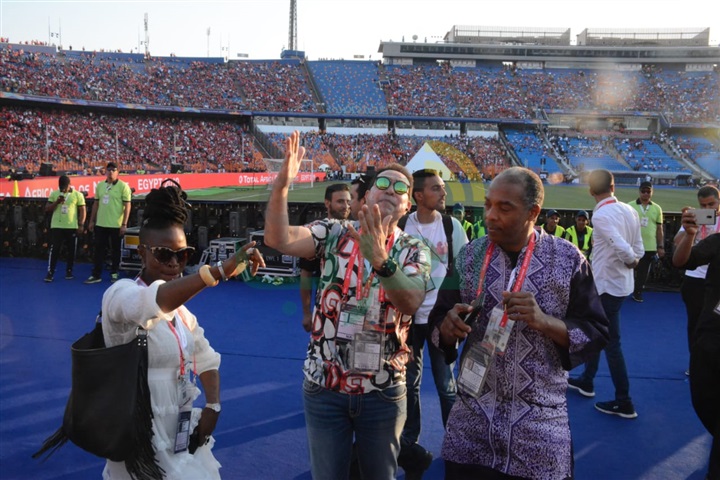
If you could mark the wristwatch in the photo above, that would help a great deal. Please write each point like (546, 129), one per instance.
(387, 269)
(213, 406)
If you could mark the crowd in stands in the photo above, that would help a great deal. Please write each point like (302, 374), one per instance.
(426, 90)
(466, 157)
(83, 141)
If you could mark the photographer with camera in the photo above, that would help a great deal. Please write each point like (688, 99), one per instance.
(693, 284)
(705, 338)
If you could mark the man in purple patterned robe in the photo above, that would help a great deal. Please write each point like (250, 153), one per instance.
(515, 425)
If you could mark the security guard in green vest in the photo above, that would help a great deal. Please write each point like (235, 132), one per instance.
(478, 228)
(553, 224)
(459, 213)
(580, 234)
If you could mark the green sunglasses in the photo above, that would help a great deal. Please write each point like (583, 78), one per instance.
(399, 187)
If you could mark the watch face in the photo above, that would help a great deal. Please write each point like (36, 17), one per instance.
(388, 268)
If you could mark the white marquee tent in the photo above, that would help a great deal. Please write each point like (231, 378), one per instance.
(427, 158)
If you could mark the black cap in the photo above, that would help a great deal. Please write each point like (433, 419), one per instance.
(646, 185)
(551, 212)
(581, 213)
(458, 207)
(111, 165)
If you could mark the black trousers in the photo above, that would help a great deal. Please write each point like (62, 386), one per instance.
(693, 292)
(705, 391)
(62, 237)
(642, 270)
(104, 237)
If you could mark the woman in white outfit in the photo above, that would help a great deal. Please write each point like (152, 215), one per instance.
(178, 352)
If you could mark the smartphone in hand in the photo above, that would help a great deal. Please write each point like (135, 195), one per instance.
(705, 216)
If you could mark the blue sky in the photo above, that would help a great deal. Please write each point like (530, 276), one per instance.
(326, 28)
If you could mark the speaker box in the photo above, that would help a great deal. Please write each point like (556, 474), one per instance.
(234, 222)
(18, 217)
(46, 170)
(202, 238)
(176, 168)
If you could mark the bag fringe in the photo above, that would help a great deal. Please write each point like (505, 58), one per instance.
(51, 444)
(143, 463)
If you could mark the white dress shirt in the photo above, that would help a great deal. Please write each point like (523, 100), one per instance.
(616, 242)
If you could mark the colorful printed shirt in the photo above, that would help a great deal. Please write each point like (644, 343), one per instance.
(328, 356)
(519, 423)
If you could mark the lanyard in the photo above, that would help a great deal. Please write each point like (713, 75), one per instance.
(360, 291)
(704, 230)
(140, 282)
(182, 356)
(519, 280)
(607, 201)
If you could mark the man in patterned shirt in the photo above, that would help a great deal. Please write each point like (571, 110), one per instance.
(535, 315)
(373, 280)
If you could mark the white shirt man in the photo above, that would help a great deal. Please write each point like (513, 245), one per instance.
(429, 225)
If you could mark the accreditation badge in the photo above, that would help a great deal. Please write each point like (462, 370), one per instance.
(350, 322)
(474, 368)
(366, 352)
(497, 334)
(368, 344)
(644, 222)
(106, 199)
(186, 389)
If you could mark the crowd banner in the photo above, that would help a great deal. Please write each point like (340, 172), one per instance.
(41, 187)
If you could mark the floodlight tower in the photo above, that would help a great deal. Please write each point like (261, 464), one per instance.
(147, 37)
(292, 33)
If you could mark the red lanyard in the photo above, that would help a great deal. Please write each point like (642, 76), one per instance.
(139, 281)
(182, 356)
(519, 280)
(360, 291)
(607, 201)
(704, 230)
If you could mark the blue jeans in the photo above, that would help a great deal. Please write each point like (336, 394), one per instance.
(613, 351)
(376, 420)
(444, 382)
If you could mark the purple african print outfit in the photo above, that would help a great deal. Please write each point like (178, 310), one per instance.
(327, 362)
(519, 423)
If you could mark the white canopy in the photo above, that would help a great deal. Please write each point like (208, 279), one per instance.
(427, 158)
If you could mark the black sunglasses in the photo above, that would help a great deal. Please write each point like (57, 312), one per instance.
(165, 255)
(400, 187)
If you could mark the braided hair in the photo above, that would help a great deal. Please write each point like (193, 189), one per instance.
(165, 207)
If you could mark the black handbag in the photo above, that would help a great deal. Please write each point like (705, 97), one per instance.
(108, 412)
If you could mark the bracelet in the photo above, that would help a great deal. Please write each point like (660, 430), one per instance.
(207, 277)
(219, 265)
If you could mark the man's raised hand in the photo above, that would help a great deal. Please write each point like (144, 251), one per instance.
(294, 155)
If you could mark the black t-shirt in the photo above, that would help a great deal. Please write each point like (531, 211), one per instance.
(707, 252)
(310, 265)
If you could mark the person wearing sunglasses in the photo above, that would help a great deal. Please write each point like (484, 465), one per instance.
(178, 351)
(374, 279)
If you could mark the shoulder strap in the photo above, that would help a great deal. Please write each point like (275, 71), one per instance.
(448, 227)
(403, 221)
